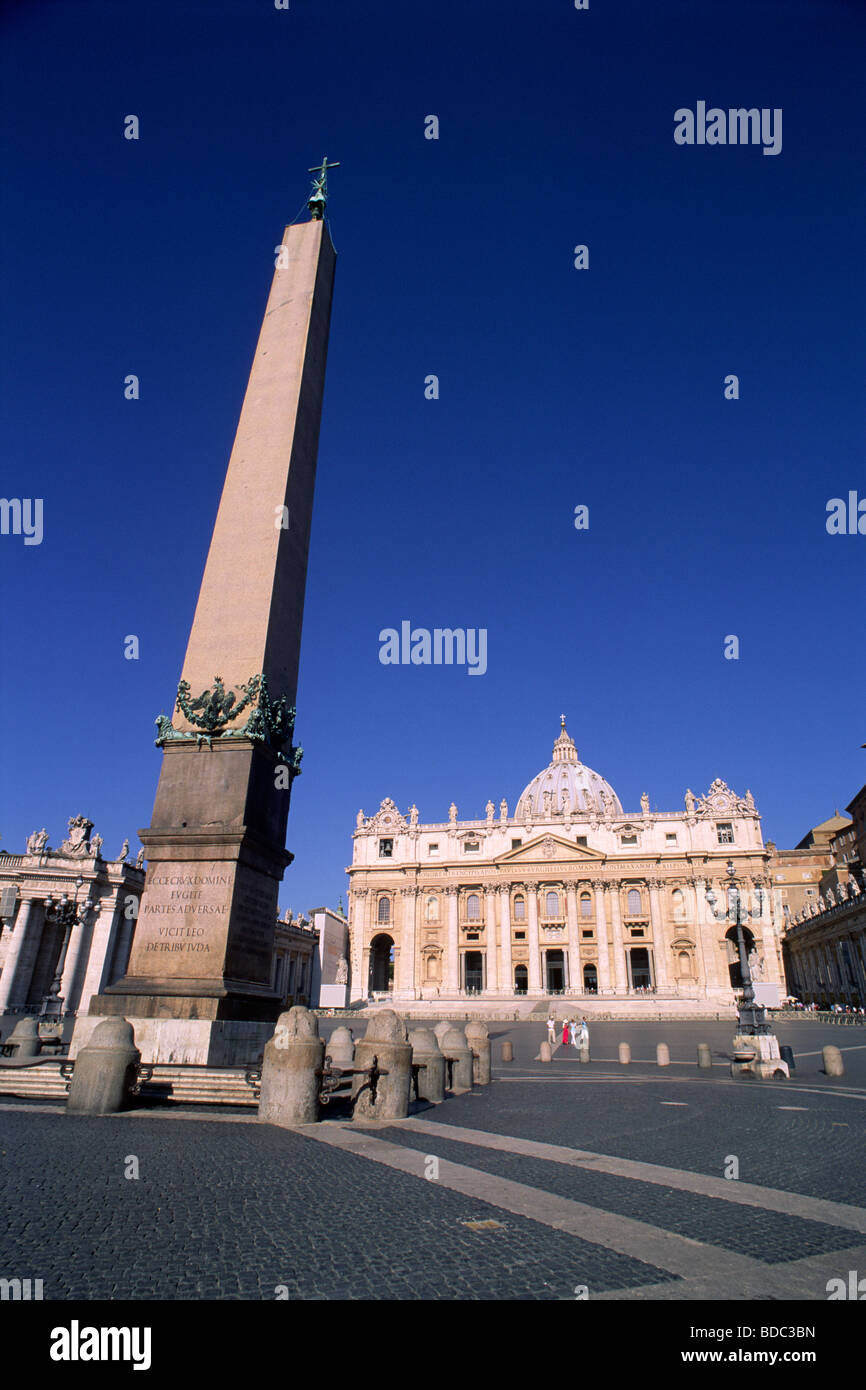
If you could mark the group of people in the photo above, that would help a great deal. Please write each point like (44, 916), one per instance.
(574, 1033)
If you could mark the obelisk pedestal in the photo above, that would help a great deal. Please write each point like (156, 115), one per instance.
(198, 987)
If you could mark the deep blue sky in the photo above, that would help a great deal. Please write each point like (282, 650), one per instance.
(558, 387)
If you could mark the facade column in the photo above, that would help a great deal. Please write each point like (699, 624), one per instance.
(408, 929)
(574, 982)
(599, 886)
(358, 931)
(21, 956)
(619, 970)
(532, 935)
(492, 981)
(708, 975)
(506, 964)
(659, 944)
(452, 977)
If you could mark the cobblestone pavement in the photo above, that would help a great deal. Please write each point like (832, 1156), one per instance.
(225, 1208)
(233, 1210)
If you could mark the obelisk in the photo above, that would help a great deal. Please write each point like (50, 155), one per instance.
(199, 973)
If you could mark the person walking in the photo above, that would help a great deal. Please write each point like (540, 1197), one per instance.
(551, 1029)
(583, 1035)
(565, 1032)
(572, 1029)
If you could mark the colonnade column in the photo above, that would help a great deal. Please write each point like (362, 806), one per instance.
(658, 930)
(81, 940)
(618, 947)
(452, 979)
(490, 933)
(506, 966)
(574, 980)
(21, 957)
(534, 950)
(599, 887)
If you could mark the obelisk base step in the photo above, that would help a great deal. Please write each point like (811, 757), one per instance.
(204, 1041)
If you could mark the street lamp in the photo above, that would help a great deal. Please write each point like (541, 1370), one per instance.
(67, 914)
(752, 1017)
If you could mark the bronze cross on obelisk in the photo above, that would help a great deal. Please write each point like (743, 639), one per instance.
(319, 196)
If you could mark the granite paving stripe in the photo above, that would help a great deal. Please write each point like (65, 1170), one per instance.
(747, 1194)
(662, 1248)
(769, 1236)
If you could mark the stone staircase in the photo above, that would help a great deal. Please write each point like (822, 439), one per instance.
(42, 1082)
(172, 1084)
(198, 1085)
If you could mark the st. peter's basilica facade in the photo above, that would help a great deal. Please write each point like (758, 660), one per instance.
(569, 896)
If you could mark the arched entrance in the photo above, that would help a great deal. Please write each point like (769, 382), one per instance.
(732, 949)
(555, 971)
(473, 972)
(590, 979)
(381, 964)
(521, 979)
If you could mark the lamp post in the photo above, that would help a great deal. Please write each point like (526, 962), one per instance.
(752, 1017)
(67, 914)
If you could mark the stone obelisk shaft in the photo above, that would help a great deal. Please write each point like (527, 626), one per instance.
(251, 603)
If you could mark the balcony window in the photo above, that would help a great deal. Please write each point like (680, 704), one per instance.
(552, 904)
(473, 908)
(585, 905)
(520, 908)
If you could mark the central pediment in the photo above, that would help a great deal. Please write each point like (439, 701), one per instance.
(550, 849)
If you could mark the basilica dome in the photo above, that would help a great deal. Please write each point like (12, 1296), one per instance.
(566, 784)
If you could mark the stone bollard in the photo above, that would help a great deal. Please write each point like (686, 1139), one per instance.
(25, 1037)
(705, 1056)
(104, 1070)
(624, 1054)
(833, 1064)
(385, 1040)
(583, 1052)
(508, 1051)
(663, 1055)
(544, 1053)
(456, 1050)
(431, 1078)
(340, 1047)
(293, 1057)
(478, 1038)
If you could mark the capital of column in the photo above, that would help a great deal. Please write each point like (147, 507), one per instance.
(503, 889)
(600, 885)
(408, 892)
(451, 890)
